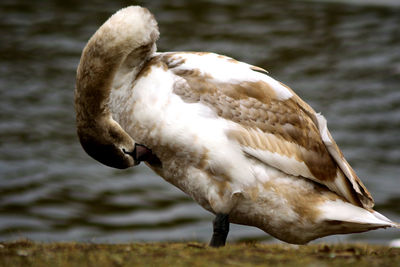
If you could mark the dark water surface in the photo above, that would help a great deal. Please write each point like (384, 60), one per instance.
(342, 59)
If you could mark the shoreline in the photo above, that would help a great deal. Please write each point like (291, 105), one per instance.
(30, 253)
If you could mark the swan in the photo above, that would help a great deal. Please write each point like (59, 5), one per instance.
(240, 143)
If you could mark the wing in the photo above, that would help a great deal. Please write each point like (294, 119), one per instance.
(272, 124)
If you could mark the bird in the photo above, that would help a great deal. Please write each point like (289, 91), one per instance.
(243, 145)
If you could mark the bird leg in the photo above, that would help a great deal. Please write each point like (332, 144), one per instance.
(221, 230)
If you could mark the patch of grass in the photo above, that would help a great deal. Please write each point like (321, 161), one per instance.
(27, 253)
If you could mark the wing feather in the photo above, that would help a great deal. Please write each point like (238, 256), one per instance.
(272, 123)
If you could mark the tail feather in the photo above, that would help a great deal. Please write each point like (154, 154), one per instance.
(384, 218)
(360, 219)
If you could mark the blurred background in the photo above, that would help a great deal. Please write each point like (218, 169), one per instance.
(342, 58)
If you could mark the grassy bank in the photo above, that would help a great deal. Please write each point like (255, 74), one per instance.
(26, 253)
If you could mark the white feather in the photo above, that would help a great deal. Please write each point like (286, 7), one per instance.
(221, 69)
(287, 165)
(339, 210)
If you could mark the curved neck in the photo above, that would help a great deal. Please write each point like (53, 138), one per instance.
(99, 72)
(93, 82)
(121, 45)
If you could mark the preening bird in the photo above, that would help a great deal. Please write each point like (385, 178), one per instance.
(240, 143)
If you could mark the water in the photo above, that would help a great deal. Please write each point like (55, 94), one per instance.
(342, 59)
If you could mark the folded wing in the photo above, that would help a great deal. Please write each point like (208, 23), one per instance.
(271, 123)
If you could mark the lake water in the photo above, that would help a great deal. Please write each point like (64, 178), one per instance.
(343, 59)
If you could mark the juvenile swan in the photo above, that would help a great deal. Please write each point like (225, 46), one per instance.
(241, 144)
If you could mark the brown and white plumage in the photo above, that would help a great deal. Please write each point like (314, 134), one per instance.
(234, 139)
